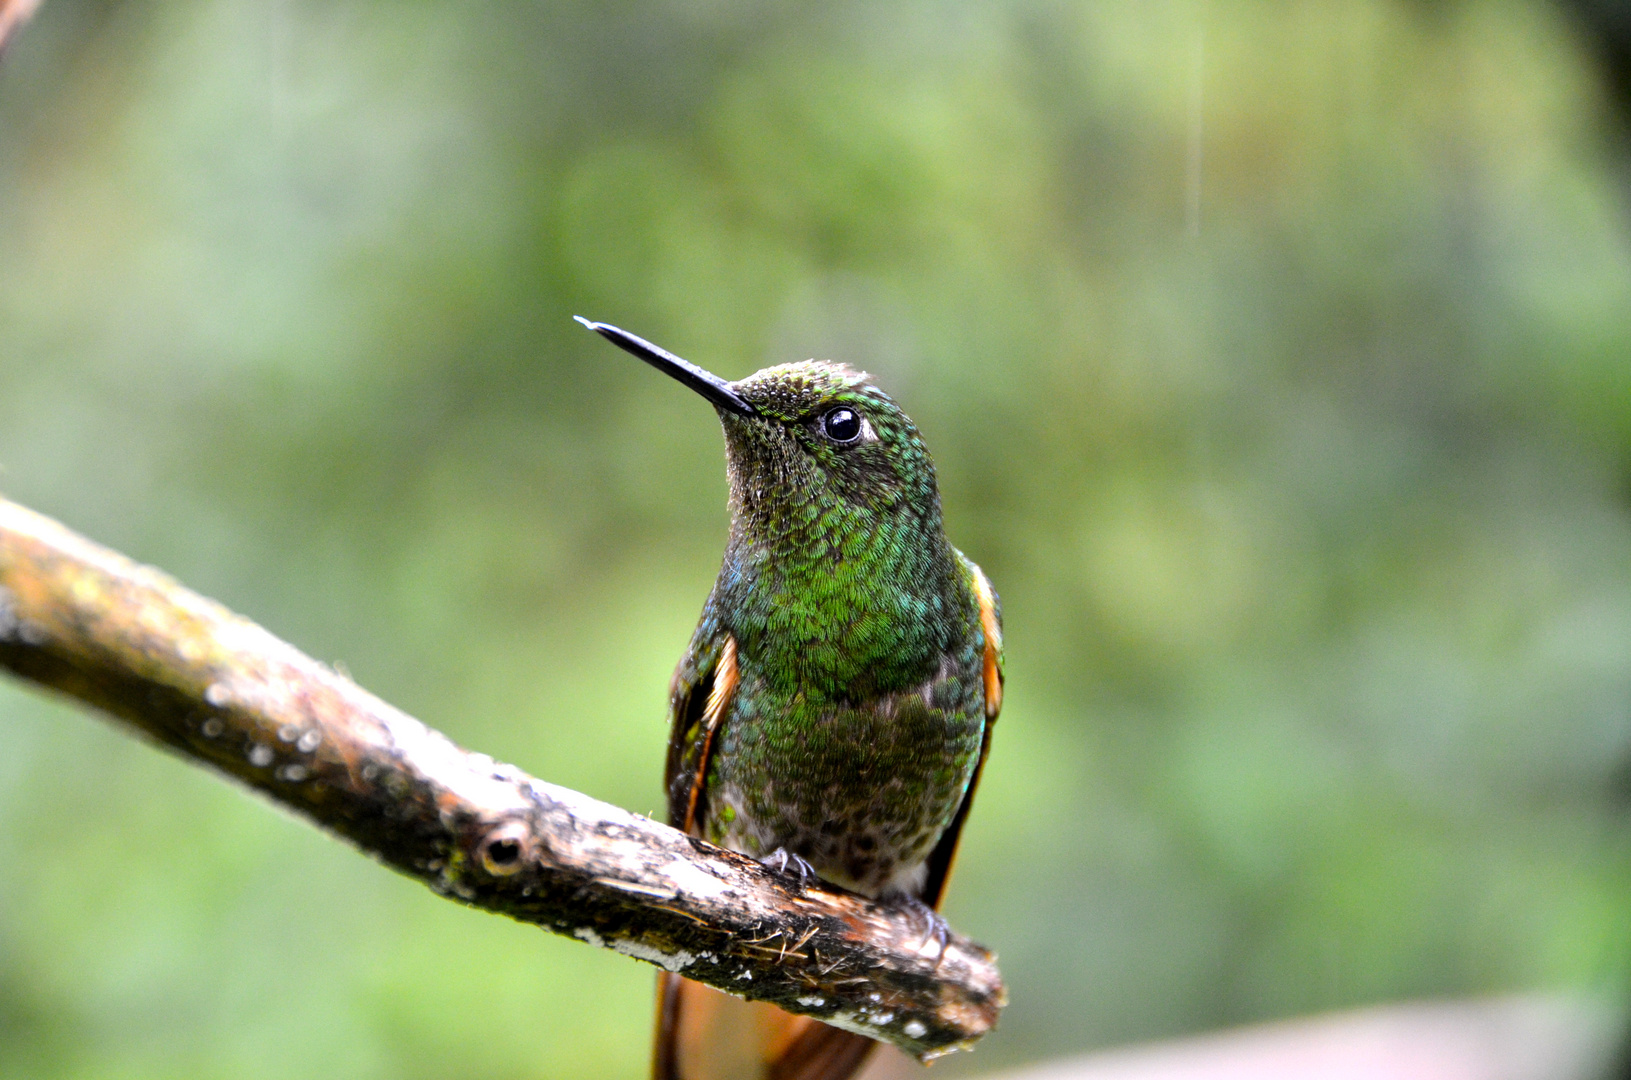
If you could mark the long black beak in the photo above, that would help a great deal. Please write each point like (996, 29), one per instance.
(706, 383)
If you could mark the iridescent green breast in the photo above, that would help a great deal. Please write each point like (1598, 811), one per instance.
(862, 791)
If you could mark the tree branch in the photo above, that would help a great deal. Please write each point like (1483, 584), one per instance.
(219, 690)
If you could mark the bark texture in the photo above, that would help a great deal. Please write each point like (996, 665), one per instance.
(219, 690)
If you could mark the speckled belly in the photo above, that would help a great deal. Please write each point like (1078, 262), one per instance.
(862, 793)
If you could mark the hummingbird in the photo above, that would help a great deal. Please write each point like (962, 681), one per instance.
(833, 711)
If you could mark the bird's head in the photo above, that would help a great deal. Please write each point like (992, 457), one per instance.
(803, 437)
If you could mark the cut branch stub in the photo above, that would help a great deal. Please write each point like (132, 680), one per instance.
(218, 689)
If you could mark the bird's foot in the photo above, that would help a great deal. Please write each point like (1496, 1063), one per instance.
(935, 927)
(785, 862)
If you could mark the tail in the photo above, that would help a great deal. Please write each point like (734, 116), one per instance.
(703, 1034)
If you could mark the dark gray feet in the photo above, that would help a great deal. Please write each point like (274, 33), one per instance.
(935, 928)
(785, 862)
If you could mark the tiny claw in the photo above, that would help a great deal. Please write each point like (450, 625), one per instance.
(934, 924)
(785, 862)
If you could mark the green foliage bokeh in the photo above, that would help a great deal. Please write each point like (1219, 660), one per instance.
(1276, 359)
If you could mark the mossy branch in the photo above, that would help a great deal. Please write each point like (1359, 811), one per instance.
(219, 690)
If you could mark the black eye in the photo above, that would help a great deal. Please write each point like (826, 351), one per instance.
(841, 425)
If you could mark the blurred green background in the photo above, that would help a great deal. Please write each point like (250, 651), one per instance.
(1276, 358)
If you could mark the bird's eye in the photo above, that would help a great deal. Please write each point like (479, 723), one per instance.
(841, 425)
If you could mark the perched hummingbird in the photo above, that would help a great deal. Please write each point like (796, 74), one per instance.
(834, 709)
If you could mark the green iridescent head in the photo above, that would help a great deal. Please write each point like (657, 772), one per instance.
(800, 435)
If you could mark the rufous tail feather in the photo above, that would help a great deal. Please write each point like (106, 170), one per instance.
(703, 1034)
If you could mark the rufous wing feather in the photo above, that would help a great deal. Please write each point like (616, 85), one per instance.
(944, 854)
